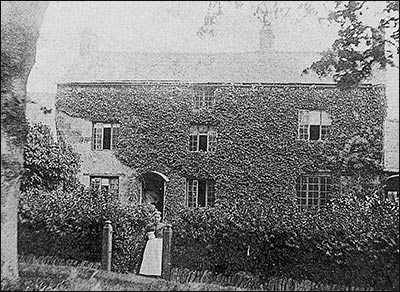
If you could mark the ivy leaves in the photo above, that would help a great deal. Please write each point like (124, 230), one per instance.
(257, 149)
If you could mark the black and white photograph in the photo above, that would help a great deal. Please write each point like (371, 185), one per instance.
(200, 146)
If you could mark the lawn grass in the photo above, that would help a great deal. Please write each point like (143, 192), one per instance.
(44, 277)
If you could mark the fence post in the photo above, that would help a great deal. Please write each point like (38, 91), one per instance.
(106, 246)
(166, 253)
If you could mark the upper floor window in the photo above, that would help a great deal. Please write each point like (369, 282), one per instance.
(108, 184)
(314, 125)
(202, 138)
(313, 190)
(104, 136)
(200, 193)
(203, 97)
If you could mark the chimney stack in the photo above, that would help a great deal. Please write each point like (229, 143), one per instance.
(89, 42)
(266, 39)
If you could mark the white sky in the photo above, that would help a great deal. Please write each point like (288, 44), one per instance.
(156, 26)
(159, 26)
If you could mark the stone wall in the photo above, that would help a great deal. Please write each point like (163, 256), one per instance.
(391, 146)
(78, 132)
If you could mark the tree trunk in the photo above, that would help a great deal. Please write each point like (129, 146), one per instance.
(20, 23)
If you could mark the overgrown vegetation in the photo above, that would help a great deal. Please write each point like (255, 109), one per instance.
(69, 225)
(360, 47)
(257, 154)
(39, 277)
(48, 164)
(352, 242)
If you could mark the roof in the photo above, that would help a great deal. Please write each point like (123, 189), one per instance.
(246, 67)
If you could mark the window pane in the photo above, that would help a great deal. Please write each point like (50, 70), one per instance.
(208, 96)
(315, 118)
(115, 134)
(197, 100)
(193, 141)
(325, 118)
(95, 183)
(303, 132)
(313, 190)
(201, 201)
(303, 117)
(114, 185)
(193, 130)
(202, 142)
(192, 193)
(105, 181)
(106, 138)
(325, 132)
(210, 193)
(97, 136)
(314, 132)
(212, 141)
(203, 129)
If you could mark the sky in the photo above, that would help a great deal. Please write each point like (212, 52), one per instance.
(171, 26)
(155, 26)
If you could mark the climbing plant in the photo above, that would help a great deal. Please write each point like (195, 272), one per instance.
(257, 152)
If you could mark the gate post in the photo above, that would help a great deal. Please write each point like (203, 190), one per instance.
(107, 246)
(166, 253)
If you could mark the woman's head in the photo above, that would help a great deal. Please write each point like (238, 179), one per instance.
(156, 216)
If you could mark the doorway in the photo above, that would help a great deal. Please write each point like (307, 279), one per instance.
(153, 186)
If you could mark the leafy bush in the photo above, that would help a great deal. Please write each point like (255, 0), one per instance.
(69, 225)
(48, 164)
(352, 242)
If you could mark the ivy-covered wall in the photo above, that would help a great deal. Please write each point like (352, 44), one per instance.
(258, 153)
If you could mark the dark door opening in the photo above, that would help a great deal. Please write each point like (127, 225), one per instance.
(153, 188)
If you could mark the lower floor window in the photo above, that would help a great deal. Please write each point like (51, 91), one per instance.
(200, 193)
(313, 190)
(392, 196)
(108, 184)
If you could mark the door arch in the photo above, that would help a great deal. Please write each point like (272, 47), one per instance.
(153, 188)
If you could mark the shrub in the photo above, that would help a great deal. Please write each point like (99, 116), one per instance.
(352, 242)
(69, 225)
(48, 164)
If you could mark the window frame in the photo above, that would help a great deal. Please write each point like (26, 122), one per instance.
(203, 97)
(194, 138)
(324, 184)
(303, 130)
(112, 181)
(209, 195)
(98, 135)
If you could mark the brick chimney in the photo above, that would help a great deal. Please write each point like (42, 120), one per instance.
(266, 39)
(89, 42)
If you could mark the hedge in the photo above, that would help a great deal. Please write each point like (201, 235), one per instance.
(69, 225)
(352, 242)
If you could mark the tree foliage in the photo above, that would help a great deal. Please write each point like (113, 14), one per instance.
(359, 48)
(267, 12)
(48, 164)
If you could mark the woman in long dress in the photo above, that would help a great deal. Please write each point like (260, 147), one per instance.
(152, 256)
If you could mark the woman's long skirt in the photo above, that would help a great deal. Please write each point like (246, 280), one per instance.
(152, 258)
